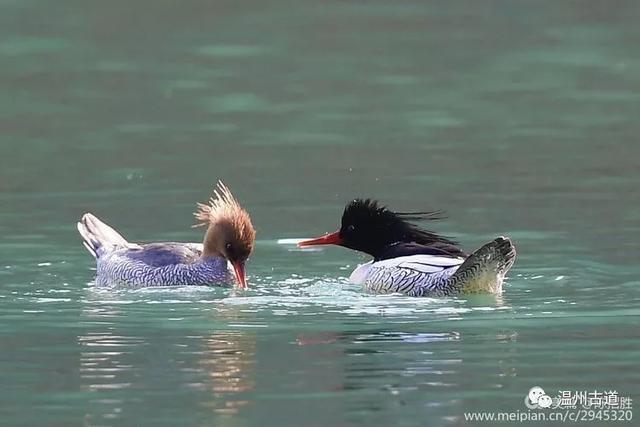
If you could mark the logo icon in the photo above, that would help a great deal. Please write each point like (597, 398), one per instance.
(537, 398)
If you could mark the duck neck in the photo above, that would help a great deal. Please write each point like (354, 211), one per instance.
(211, 243)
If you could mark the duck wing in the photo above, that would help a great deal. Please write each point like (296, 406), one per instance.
(402, 249)
(421, 263)
(165, 253)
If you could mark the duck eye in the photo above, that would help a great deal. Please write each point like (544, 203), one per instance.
(351, 229)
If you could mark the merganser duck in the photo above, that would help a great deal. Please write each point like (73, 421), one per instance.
(414, 261)
(227, 244)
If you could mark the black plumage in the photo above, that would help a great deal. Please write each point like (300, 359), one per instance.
(376, 230)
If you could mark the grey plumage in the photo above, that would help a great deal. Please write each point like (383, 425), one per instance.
(485, 268)
(157, 264)
(409, 282)
(98, 236)
(483, 271)
(118, 268)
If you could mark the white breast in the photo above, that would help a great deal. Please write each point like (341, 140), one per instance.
(425, 264)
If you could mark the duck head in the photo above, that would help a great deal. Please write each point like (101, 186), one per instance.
(368, 227)
(230, 233)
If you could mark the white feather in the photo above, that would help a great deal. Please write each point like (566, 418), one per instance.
(426, 264)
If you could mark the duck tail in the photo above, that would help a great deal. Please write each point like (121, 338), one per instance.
(96, 235)
(484, 270)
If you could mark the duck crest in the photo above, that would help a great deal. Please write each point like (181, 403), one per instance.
(398, 225)
(223, 208)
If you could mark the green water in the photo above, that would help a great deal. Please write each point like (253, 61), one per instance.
(517, 118)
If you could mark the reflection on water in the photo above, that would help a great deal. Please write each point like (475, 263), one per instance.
(156, 354)
(228, 360)
(101, 361)
(221, 362)
(229, 368)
